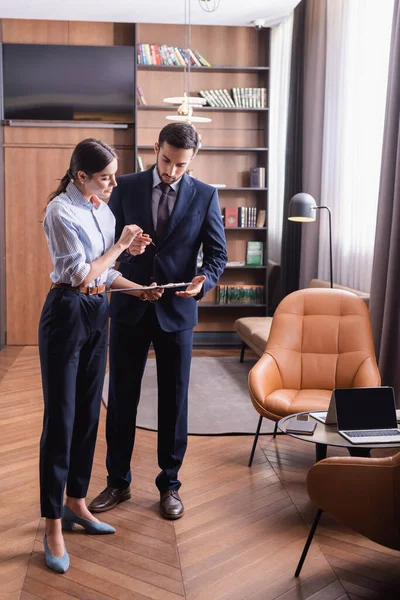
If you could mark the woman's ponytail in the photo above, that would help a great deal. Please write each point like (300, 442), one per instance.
(62, 187)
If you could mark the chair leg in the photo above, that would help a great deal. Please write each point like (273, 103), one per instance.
(255, 441)
(242, 350)
(308, 542)
(275, 430)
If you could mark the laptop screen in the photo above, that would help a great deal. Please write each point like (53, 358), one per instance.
(365, 408)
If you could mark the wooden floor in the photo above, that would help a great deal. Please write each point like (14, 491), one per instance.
(241, 535)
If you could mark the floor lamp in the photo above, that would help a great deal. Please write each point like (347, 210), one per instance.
(302, 208)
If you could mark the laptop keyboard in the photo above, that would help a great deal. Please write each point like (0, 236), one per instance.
(373, 433)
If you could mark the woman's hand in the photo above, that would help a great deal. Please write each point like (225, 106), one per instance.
(128, 234)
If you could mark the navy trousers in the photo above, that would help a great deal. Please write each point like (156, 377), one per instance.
(73, 351)
(129, 346)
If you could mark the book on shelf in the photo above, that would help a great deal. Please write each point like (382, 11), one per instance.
(218, 98)
(155, 54)
(257, 177)
(218, 185)
(242, 216)
(255, 254)
(240, 294)
(249, 97)
(140, 163)
(231, 216)
(247, 216)
(261, 218)
(141, 98)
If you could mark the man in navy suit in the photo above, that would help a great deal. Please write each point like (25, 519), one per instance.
(179, 213)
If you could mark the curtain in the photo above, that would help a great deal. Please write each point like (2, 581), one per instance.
(357, 55)
(291, 232)
(384, 303)
(281, 43)
(313, 119)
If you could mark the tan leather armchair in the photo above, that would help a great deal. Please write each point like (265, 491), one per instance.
(361, 493)
(320, 339)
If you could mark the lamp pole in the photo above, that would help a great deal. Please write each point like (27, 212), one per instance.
(330, 238)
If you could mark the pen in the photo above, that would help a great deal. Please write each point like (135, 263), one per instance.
(147, 235)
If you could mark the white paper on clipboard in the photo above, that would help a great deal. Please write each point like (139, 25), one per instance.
(167, 286)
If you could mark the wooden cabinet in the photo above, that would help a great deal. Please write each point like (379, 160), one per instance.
(235, 141)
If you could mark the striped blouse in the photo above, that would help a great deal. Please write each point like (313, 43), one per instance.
(77, 233)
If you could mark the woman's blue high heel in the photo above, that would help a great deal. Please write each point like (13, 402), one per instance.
(70, 518)
(61, 564)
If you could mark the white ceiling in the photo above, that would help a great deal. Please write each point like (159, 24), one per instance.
(229, 12)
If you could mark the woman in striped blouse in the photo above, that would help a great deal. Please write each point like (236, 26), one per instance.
(79, 230)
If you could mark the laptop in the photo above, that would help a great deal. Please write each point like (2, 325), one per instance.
(327, 417)
(367, 415)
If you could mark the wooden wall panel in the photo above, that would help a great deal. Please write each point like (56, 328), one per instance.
(78, 33)
(31, 31)
(82, 33)
(66, 137)
(31, 174)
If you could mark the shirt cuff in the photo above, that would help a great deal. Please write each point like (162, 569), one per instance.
(111, 276)
(79, 275)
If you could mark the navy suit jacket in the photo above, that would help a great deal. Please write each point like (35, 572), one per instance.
(195, 220)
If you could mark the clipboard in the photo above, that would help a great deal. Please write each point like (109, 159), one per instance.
(167, 286)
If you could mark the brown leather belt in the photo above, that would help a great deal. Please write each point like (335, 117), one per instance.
(83, 289)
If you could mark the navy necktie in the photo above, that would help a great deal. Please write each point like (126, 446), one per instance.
(162, 210)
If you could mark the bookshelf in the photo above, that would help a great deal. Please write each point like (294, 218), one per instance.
(235, 141)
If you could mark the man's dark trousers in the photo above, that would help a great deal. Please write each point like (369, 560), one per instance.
(129, 345)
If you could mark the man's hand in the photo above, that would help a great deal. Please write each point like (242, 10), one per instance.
(150, 296)
(194, 288)
(139, 244)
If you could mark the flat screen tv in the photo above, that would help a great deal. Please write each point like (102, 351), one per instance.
(66, 83)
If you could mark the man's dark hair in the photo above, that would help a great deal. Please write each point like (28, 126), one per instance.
(180, 135)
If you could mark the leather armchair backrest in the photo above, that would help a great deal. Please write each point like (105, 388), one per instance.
(361, 493)
(322, 338)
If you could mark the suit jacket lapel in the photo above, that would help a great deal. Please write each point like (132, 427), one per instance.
(182, 204)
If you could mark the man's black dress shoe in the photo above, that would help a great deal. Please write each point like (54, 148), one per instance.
(171, 506)
(109, 498)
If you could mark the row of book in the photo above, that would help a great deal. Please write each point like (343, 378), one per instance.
(240, 294)
(153, 54)
(239, 97)
(243, 216)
